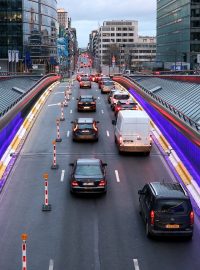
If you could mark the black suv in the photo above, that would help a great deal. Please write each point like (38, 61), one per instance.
(166, 209)
(86, 103)
(85, 129)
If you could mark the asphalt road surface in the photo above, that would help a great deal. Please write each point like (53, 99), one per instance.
(81, 232)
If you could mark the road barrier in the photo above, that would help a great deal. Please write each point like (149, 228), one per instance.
(62, 118)
(65, 100)
(54, 165)
(24, 257)
(58, 138)
(46, 206)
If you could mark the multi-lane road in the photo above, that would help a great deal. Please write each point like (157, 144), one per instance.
(84, 233)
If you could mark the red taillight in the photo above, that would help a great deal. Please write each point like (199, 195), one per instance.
(76, 127)
(92, 103)
(81, 83)
(191, 218)
(118, 109)
(152, 216)
(102, 183)
(120, 140)
(74, 183)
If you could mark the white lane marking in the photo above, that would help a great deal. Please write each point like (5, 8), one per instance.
(73, 98)
(102, 111)
(58, 93)
(117, 176)
(68, 132)
(96, 89)
(98, 97)
(70, 111)
(107, 132)
(51, 263)
(55, 104)
(62, 175)
(136, 264)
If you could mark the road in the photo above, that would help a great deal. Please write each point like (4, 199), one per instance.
(84, 233)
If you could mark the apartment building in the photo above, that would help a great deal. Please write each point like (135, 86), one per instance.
(119, 38)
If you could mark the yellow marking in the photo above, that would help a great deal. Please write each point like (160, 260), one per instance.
(2, 170)
(163, 142)
(17, 141)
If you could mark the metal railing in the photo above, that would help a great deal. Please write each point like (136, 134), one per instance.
(168, 106)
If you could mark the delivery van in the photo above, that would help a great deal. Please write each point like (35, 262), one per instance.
(132, 131)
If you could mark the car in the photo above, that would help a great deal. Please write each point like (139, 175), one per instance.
(92, 77)
(85, 129)
(88, 176)
(85, 82)
(166, 209)
(111, 93)
(103, 78)
(106, 86)
(125, 105)
(86, 103)
(118, 95)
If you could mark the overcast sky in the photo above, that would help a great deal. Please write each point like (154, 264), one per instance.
(88, 15)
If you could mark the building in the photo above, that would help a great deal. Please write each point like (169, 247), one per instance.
(63, 19)
(117, 43)
(28, 33)
(178, 33)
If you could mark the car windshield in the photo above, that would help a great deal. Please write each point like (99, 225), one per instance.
(172, 206)
(88, 170)
(118, 96)
(108, 83)
(85, 126)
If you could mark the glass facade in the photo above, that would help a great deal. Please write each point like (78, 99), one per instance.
(29, 26)
(173, 30)
(178, 31)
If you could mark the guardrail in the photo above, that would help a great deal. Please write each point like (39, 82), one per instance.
(168, 106)
(22, 96)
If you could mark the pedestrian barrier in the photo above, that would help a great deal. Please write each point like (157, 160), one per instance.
(24, 257)
(58, 138)
(46, 206)
(54, 165)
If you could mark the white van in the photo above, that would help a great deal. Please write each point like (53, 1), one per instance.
(132, 131)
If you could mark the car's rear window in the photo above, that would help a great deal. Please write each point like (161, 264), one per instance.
(118, 96)
(85, 79)
(86, 99)
(172, 206)
(108, 83)
(88, 170)
(85, 126)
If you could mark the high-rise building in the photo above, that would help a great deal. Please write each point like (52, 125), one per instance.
(63, 19)
(178, 33)
(30, 29)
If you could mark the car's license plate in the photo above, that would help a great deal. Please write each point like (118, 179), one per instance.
(86, 107)
(85, 131)
(88, 184)
(172, 226)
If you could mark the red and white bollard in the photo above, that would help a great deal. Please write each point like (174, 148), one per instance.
(24, 258)
(58, 138)
(65, 100)
(70, 90)
(54, 165)
(46, 206)
(62, 118)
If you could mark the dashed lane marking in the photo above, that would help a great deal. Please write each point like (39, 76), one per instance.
(117, 176)
(136, 264)
(55, 104)
(70, 111)
(107, 132)
(51, 263)
(102, 111)
(62, 175)
(58, 93)
(68, 132)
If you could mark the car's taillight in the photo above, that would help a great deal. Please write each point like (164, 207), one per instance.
(92, 103)
(191, 218)
(152, 216)
(74, 183)
(93, 79)
(118, 108)
(81, 83)
(80, 103)
(102, 183)
(94, 127)
(120, 139)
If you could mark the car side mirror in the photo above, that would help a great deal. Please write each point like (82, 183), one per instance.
(71, 164)
(114, 122)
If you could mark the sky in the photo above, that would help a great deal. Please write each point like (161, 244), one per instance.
(88, 15)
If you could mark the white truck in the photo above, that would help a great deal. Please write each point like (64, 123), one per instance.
(132, 131)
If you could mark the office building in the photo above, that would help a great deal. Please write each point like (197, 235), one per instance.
(63, 19)
(178, 33)
(28, 33)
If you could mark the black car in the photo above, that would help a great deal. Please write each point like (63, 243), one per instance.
(86, 103)
(166, 210)
(88, 176)
(85, 129)
(125, 105)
